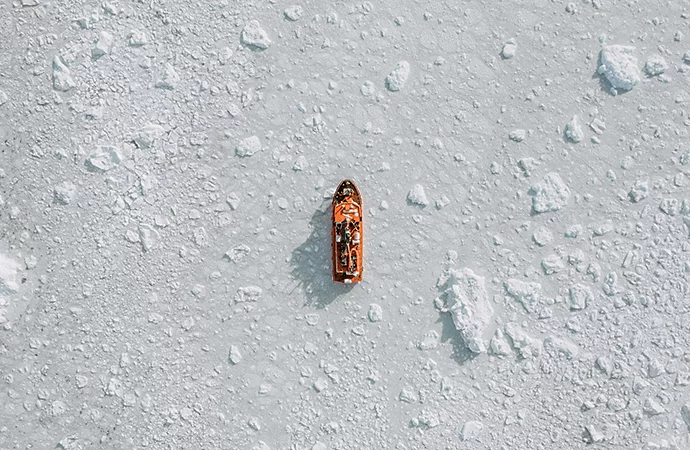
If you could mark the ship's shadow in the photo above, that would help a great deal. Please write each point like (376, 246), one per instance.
(312, 263)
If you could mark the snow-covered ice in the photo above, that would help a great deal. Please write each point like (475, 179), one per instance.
(550, 194)
(620, 66)
(464, 296)
(396, 80)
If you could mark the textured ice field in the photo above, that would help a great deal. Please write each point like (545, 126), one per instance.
(166, 170)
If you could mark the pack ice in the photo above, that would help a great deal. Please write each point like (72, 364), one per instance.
(465, 297)
(620, 67)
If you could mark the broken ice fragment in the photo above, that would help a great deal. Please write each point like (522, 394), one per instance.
(429, 341)
(248, 146)
(375, 313)
(137, 38)
(103, 45)
(148, 236)
(62, 78)
(395, 80)
(465, 297)
(655, 65)
(562, 346)
(147, 135)
(580, 296)
(232, 200)
(525, 292)
(619, 66)
(169, 78)
(293, 13)
(499, 346)
(550, 194)
(542, 236)
(517, 135)
(552, 264)
(416, 196)
(573, 130)
(254, 37)
(367, 89)
(300, 164)
(593, 435)
(509, 49)
(105, 158)
(9, 283)
(685, 414)
(237, 253)
(234, 356)
(526, 346)
(471, 430)
(64, 193)
(639, 191)
(248, 294)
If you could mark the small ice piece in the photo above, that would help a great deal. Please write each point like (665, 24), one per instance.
(103, 45)
(619, 66)
(471, 431)
(375, 313)
(407, 395)
(580, 296)
(320, 384)
(62, 78)
(499, 346)
(137, 38)
(395, 80)
(255, 37)
(147, 135)
(550, 194)
(655, 65)
(103, 159)
(248, 294)
(573, 231)
(293, 13)
(442, 202)
(509, 49)
(593, 435)
(639, 191)
(526, 346)
(367, 89)
(248, 146)
(517, 135)
(232, 200)
(429, 341)
(573, 131)
(3, 98)
(542, 236)
(562, 346)
(416, 196)
(300, 164)
(652, 407)
(9, 279)
(237, 253)
(685, 414)
(169, 78)
(552, 264)
(234, 356)
(64, 193)
(525, 292)
(465, 297)
(148, 236)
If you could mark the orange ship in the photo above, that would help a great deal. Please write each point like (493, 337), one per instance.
(347, 233)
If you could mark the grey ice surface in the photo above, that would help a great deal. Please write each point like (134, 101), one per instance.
(165, 174)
